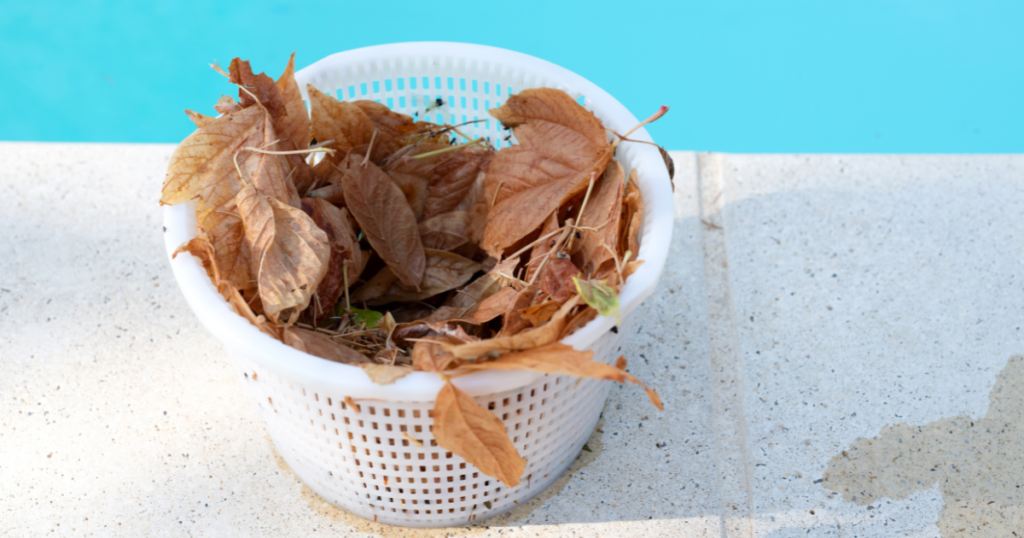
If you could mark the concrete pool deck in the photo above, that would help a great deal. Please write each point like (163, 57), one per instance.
(833, 340)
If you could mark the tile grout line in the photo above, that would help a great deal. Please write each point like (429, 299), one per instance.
(732, 452)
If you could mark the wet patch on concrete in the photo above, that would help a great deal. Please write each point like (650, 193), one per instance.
(978, 464)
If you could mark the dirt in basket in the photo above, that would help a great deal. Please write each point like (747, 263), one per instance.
(411, 245)
(514, 517)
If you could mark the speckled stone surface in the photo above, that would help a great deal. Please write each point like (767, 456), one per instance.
(832, 340)
(121, 416)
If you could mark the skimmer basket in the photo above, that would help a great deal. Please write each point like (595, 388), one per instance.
(359, 459)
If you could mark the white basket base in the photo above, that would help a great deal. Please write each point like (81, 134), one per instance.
(362, 460)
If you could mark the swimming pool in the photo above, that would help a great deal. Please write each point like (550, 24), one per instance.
(880, 76)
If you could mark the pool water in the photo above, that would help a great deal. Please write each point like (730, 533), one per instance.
(809, 76)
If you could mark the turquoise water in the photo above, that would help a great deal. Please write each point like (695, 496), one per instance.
(752, 76)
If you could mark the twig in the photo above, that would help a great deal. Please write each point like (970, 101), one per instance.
(654, 117)
(494, 199)
(586, 197)
(292, 152)
(531, 245)
(344, 276)
(547, 256)
(370, 149)
(446, 150)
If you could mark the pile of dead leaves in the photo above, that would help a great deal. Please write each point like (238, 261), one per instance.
(410, 246)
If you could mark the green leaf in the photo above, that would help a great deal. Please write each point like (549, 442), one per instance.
(369, 318)
(599, 296)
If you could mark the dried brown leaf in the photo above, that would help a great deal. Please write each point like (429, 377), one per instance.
(633, 214)
(199, 119)
(294, 125)
(544, 246)
(227, 105)
(231, 253)
(530, 338)
(340, 121)
(631, 267)
(444, 271)
(334, 194)
(540, 313)
(600, 222)
(391, 127)
(476, 435)
(289, 253)
(244, 309)
(556, 278)
(259, 86)
(560, 359)
(203, 165)
(513, 321)
(578, 320)
(446, 231)
(323, 346)
(386, 374)
(382, 212)
(429, 356)
(378, 285)
(345, 254)
(453, 178)
(491, 307)
(414, 189)
(561, 145)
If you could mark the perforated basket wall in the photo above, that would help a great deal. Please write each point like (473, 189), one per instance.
(366, 460)
(369, 460)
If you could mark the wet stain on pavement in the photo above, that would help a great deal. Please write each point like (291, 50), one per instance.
(978, 464)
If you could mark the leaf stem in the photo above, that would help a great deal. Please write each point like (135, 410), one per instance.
(654, 117)
(370, 149)
(586, 197)
(292, 152)
(445, 150)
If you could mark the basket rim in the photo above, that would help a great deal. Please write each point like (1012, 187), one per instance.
(239, 336)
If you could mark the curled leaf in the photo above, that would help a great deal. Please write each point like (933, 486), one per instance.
(345, 254)
(289, 253)
(382, 212)
(476, 435)
(530, 338)
(560, 359)
(632, 216)
(600, 222)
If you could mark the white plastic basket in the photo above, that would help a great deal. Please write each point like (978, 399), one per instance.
(359, 460)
